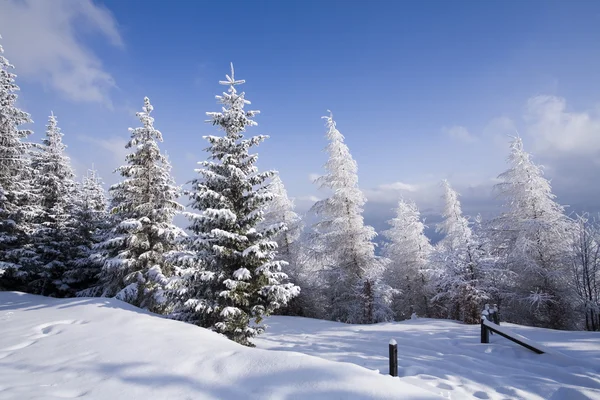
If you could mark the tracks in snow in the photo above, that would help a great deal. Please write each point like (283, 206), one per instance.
(39, 332)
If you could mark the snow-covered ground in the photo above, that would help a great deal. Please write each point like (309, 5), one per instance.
(105, 349)
(447, 357)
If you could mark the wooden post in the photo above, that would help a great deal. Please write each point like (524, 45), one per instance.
(485, 333)
(393, 358)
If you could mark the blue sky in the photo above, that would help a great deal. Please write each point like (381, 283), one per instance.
(422, 90)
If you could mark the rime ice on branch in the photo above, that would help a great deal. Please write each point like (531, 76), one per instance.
(353, 270)
(535, 237)
(408, 250)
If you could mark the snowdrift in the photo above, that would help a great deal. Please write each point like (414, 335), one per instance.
(104, 349)
(447, 358)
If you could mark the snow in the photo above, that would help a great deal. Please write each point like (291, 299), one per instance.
(447, 358)
(242, 274)
(104, 349)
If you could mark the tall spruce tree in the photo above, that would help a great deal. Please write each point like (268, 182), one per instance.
(408, 250)
(52, 238)
(16, 197)
(353, 271)
(535, 237)
(231, 278)
(143, 204)
(91, 223)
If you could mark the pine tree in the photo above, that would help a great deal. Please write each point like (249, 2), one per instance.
(231, 278)
(409, 251)
(535, 236)
(90, 224)
(16, 198)
(281, 210)
(143, 205)
(52, 238)
(353, 270)
(461, 280)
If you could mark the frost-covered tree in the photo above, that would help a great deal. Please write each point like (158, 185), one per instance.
(586, 271)
(143, 205)
(460, 281)
(353, 271)
(231, 278)
(535, 237)
(408, 250)
(52, 238)
(281, 210)
(16, 198)
(91, 223)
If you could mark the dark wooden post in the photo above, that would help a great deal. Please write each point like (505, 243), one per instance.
(485, 333)
(393, 358)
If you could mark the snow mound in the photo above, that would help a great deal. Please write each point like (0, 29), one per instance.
(106, 349)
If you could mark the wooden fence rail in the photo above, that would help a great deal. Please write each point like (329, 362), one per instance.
(488, 326)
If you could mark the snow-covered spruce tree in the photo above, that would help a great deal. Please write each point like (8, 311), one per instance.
(460, 279)
(52, 238)
(231, 278)
(90, 224)
(143, 204)
(536, 236)
(16, 198)
(353, 271)
(408, 250)
(281, 210)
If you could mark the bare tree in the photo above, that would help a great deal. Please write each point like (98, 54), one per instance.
(586, 270)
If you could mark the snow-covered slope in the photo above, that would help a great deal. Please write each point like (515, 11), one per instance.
(447, 357)
(105, 349)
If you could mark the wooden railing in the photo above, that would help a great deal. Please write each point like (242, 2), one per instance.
(487, 316)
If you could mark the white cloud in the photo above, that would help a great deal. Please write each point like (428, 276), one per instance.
(555, 130)
(500, 126)
(391, 192)
(42, 39)
(399, 186)
(459, 133)
(313, 199)
(565, 141)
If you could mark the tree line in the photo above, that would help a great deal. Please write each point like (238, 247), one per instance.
(246, 254)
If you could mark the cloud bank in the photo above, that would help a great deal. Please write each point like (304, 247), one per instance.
(54, 54)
